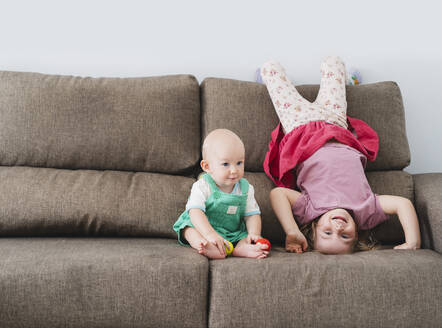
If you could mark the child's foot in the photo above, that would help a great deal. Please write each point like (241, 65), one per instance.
(209, 250)
(256, 251)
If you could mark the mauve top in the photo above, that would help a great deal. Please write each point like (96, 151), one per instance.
(334, 177)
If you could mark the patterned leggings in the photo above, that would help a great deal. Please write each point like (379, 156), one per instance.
(293, 110)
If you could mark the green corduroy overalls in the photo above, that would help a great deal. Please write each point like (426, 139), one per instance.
(225, 213)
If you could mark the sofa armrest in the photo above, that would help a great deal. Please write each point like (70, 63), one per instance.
(428, 199)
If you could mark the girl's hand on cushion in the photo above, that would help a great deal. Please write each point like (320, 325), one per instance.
(295, 242)
(408, 246)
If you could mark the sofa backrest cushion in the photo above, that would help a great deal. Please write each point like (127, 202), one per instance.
(60, 202)
(246, 108)
(147, 124)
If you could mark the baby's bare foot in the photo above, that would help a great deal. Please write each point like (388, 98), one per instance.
(257, 251)
(209, 250)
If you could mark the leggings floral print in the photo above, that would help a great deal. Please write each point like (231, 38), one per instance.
(294, 110)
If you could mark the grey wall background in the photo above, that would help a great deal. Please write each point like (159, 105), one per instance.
(385, 40)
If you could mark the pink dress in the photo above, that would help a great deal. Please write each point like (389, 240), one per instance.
(287, 151)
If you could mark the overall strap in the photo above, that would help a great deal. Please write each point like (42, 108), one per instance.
(244, 184)
(212, 184)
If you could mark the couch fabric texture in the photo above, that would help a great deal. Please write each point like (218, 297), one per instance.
(95, 171)
(130, 124)
(101, 282)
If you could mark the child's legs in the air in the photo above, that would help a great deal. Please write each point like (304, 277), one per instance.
(198, 242)
(331, 95)
(292, 109)
(243, 249)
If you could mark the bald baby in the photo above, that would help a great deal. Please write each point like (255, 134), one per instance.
(224, 198)
(218, 140)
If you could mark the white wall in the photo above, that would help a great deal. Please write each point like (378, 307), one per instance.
(385, 40)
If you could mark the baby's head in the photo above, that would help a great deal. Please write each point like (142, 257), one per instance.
(223, 158)
(335, 232)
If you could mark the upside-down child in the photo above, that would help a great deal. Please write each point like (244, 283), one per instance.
(326, 151)
(222, 208)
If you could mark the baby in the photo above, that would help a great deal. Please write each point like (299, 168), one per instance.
(222, 207)
(327, 151)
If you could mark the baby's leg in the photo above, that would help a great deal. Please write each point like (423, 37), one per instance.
(198, 242)
(290, 106)
(331, 95)
(243, 249)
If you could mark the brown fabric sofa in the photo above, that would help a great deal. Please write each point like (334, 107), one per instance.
(95, 171)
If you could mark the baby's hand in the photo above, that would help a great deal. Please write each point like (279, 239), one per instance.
(218, 241)
(295, 242)
(408, 246)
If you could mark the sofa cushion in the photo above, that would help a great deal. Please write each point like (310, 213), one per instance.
(136, 124)
(383, 182)
(398, 183)
(47, 202)
(271, 228)
(243, 107)
(386, 288)
(246, 108)
(428, 187)
(49, 282)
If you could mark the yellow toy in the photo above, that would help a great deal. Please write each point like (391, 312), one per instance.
(229, 248)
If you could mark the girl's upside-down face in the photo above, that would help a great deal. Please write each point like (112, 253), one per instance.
(335, 232)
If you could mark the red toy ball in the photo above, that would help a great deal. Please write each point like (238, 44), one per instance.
(264, 242)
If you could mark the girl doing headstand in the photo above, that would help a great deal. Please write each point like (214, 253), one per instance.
(327, 152)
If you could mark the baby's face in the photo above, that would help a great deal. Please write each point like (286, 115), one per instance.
(335, 232)
(226, 165)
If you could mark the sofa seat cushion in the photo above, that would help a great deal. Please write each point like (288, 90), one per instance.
(79, 282)
(384, 288)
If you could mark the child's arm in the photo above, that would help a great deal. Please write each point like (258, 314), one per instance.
(282, 200)
(253, 224)
(406, 213)
(202, 224)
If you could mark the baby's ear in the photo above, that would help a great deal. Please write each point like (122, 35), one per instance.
(204, 165)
